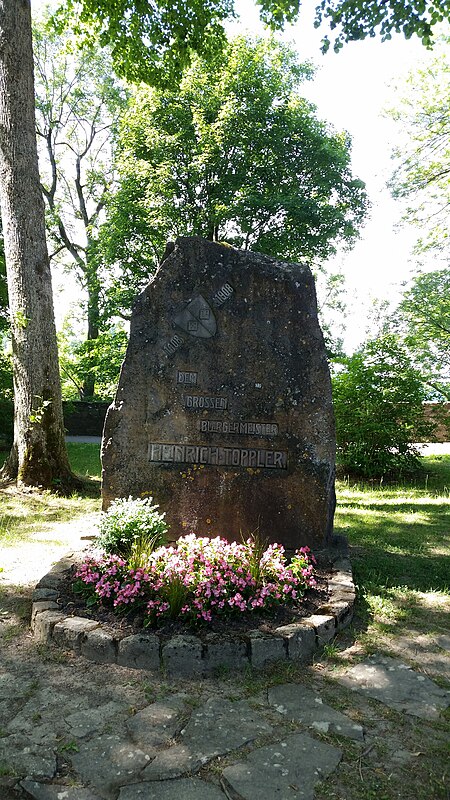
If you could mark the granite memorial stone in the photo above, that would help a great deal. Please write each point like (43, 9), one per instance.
(223, 412)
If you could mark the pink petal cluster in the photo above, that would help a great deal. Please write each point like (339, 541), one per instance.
(199, 579)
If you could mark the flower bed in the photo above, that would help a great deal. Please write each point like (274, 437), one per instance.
(198, 581)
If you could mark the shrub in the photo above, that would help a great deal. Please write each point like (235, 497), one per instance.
(378, 401)
(131, 528)
(199, 579)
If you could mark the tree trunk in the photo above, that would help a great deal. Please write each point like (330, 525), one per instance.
(39, 455)
(93, 315)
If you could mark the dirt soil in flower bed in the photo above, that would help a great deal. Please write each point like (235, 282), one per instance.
(234, 625)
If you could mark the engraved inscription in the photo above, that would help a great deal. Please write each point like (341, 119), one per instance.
(222, 295)
(199, 401)
(241, 428)
(256, 458)
(173, 345)
(187, 378)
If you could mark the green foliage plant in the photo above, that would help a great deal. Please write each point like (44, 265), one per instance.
(256, 547)
(353, 20)
(378, 399)
(130, 526)
(141, 546)
(421, 177)
(174, 594)
(423, 321)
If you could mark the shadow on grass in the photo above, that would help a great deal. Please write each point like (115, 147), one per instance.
(407, 537)
(413, 505)
(400, 548)
(398, 553)
(432, 479)
(424, 573)
(395, 604)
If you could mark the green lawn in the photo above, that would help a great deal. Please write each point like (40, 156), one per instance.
(400, 539)
(85, 459)
(23, 514)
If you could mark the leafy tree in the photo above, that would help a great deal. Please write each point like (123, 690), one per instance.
(332, 295)
(154, 42)
(102, 357)
(234, 154)
(378, 400)
(423, 320)
(151, 42)
(6, 382)
(422, 180)
(38, 455)
(78, 102)
(169, 33)
(139, 50)
(422, 175)
(357, 19)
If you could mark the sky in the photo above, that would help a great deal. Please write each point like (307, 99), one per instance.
(351, 90)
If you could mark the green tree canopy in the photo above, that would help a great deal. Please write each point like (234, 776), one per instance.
(153, 41)
(235, 154)
(378, 400)
(423, 320)
(422, 175)
(78, 103)
(357, 19)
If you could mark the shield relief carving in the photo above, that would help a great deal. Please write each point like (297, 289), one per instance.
(197, 319)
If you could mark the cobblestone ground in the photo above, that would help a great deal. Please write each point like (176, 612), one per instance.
(348, 726)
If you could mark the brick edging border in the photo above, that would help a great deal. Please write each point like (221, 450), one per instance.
(187, 655)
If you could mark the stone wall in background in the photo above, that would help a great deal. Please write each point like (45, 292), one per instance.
(84, 419)
(439, 413)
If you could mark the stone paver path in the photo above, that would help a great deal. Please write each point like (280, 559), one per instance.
(75, 740)
(289, 768)
(71, 729)
(398, 686)
(303, 705)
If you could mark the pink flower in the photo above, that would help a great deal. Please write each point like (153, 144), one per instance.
(214, 575)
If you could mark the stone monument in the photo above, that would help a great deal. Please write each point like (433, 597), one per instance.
(223, 412)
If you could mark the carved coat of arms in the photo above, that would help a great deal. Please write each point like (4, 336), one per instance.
(197, 319)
